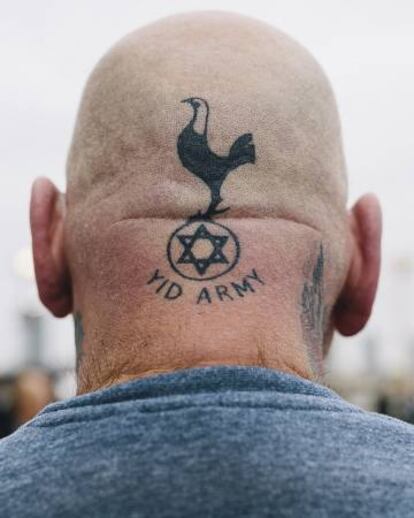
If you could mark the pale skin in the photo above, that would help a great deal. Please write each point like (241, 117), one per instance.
(97, 247)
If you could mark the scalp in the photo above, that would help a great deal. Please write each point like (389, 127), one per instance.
(256, 80)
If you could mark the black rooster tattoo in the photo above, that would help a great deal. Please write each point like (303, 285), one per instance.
(196, 155)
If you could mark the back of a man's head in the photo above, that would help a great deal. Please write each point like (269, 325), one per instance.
(209, 231)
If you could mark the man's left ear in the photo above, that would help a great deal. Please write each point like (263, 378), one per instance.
(47, 217)
(355, 302)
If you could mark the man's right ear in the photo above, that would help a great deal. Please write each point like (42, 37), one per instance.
(47, 216)
(355, 302)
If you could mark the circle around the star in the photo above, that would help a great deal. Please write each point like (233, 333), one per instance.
(201, 221)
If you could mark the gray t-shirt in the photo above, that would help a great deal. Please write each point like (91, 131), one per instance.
(209, 442)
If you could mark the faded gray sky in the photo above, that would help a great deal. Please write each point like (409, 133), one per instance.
(48, 48)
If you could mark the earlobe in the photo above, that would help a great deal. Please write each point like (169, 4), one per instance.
(355, 302)
(47, 214)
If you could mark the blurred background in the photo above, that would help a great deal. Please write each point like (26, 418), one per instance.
(47, 50)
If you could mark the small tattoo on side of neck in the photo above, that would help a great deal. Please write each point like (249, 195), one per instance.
(79, 337)
(313, 310)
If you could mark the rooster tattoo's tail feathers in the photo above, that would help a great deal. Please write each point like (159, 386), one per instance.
(242, 151)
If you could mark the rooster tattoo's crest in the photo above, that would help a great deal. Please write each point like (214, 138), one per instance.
(197, 157)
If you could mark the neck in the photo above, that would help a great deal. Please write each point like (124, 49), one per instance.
(257, 314)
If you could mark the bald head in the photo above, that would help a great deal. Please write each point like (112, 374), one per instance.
(255, 79)
(207, 167)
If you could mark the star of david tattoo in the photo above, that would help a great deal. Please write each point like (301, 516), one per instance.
(201, 264)
(203, 250)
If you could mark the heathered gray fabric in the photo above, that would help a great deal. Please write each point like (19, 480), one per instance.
(211, 442)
